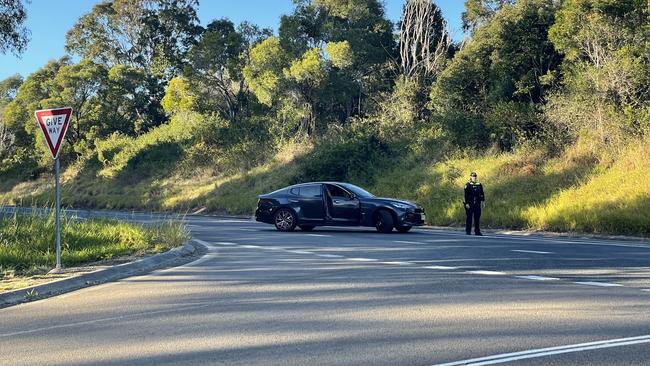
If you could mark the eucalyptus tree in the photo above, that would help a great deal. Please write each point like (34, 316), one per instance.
(13, 33)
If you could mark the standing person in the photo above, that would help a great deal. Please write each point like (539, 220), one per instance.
(474, 198)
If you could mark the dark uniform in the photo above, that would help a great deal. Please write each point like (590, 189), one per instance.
(473, 197)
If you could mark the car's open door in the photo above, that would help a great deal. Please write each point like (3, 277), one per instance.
(343, 206)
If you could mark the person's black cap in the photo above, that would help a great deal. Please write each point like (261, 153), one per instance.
(472, 174)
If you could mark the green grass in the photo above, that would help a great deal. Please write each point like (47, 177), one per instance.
(578, 190)
(27, 241)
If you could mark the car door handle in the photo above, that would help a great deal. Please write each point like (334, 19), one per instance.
(294, 201)
(337, 201)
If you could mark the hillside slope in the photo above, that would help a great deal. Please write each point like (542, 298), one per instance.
(525, 189)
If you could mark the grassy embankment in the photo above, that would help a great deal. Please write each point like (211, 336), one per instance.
(27, 241)
(577, 191)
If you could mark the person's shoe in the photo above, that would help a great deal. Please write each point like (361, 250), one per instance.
(478, 234)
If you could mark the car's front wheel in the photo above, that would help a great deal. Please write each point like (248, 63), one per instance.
(384, 222)
(404, 229)
(285, 220)
(307, 227)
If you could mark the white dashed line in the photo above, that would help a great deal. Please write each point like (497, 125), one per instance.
(299, 252)
(543, 352)
(398, 263)
(362, 259)
(251, 246)
(487, 273)
(538, 278)
(320, 235)
(443, 268)
(600, 284)
(225, 243)
(530, 251)
(330, 255)
(408, 242)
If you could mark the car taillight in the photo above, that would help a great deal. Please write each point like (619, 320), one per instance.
(264, 203)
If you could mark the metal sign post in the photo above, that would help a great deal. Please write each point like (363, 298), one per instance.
(54, 124)
(58, 216)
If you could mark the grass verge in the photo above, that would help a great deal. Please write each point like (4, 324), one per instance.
(27, 241)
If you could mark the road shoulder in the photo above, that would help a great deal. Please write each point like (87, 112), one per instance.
(172, 258)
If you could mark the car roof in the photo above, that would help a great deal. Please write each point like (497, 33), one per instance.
(310, 183)
(300, 185)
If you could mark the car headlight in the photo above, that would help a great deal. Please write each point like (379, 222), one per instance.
(400, 205)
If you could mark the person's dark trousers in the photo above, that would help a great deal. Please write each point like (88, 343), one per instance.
(473, 212)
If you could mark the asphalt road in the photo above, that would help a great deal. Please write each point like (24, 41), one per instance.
(353, 297)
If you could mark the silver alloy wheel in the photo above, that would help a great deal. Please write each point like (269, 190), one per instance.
(284, 220)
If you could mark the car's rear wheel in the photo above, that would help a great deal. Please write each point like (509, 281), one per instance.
(285, 220)
(384, 222)
(307, 227)
(404, 229)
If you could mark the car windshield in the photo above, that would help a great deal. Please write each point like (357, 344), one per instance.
(360, 192)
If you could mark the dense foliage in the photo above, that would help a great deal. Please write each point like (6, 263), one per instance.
(156, 95)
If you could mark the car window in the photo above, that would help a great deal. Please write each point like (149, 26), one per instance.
(336, 191)
(310, 191)
(295, 191)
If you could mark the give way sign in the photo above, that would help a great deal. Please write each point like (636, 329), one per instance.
(54, 124)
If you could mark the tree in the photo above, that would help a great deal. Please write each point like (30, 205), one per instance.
(13, 34)
(18, 115)
(152, 34)
(368, 46)
(133, 100)
(479, 12)
(424, 40)
(8, 90)
(307, 74)
(508, 60)
(605, 91)
(80, 86)
(215, 66)
(264, 71)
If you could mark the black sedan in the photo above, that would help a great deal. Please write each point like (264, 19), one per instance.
(314, 204)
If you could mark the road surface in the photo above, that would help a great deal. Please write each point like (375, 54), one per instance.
(353, 297)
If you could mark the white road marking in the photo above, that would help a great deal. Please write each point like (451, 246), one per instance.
(600, 284)
(408, 242)
(538, 278)
(320, 235)
(251, 246)
(530, 251)
(487, 273)
(543, 352)
(362, 259)
(299, 252)
(330, 255)
(225, 243)
(398, 263)
(546, 239)
(444, 268)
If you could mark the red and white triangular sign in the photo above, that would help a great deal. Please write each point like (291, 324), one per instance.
(54, 124)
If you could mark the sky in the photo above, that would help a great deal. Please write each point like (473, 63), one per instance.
(49, 20)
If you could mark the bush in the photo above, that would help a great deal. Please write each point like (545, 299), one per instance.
(355, 159)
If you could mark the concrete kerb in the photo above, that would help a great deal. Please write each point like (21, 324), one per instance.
(171, 258)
